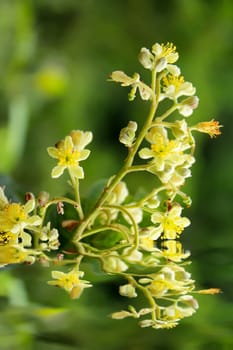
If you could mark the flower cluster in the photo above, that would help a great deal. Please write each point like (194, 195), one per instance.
(133, 235)
(15, 221)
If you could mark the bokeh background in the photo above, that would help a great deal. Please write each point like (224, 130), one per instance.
(55, 59)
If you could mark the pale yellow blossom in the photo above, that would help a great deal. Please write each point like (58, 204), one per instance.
(14, 217)
(69, 152)
(161, 56)
(70, 281)
(175, 86)
(170, 223)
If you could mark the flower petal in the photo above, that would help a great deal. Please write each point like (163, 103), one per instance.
(84, 154)
(53, 152)
(58, 171)
(146, 153)
(77, 171)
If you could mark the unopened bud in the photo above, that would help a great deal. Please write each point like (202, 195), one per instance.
(146, 58)
(128, 290)
(127, 134)
(43, 198)
(187, 106)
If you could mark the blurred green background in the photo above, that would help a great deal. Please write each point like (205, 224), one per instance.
(55, 59)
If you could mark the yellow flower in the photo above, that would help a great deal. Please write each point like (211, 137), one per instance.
(8, 238)
(81, 138)
(167, 51)
(14, 217)
(160, 58)
(170, 223)
(69, 153)
(70, 282)
(171, 279)
(14, 254)
(185, 306)
(172, 250)
(162, 149)
(175, 86)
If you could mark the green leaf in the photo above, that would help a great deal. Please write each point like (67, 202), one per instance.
(106, 239)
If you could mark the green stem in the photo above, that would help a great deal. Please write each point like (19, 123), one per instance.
(135, 227)
(147, 294)
(75, 185)
(104, 228)
(165, 114)
(127, 164)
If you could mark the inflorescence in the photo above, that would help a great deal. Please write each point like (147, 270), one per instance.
(134, 236)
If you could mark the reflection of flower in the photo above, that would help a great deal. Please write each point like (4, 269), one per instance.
(69, 153)
(70, 282)
(172, 250)
(114, 264)
(185, 306)
(170, 279)
(170, 222)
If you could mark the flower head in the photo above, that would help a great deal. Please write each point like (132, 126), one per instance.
(171, 278)
(162, 150)
(69, 152)
(70, 282)
(170, 223)
(175, 86)
(172, 249)
(15, 254)
(14, 217)
(161, 57)
(167, 51)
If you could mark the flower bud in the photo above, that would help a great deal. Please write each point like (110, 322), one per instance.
(212, 128)
(128, 290)
(187, 106)
(127, 134)
(146, 58)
